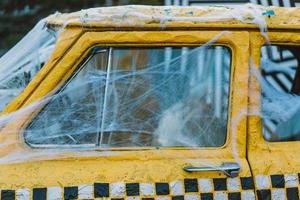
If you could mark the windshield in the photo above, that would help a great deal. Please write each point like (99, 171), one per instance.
(19, 65)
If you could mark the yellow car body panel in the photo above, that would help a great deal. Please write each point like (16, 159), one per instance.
(131, 165)
(270, 157)
(64, 67)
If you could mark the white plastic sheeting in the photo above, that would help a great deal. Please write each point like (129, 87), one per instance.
(19, 65)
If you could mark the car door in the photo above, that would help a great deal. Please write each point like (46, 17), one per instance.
(274, 133)
(135, 115)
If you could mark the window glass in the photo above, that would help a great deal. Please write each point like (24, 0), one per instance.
(72, 116)
(141, 97)
(280, 92)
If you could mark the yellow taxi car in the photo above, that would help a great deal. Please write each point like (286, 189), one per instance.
(141, 102)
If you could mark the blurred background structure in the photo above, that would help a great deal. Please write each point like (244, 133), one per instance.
(17, 17)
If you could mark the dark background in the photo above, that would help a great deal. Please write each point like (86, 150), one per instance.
(17, 17)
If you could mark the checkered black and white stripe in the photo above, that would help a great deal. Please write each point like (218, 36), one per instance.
(273, 187)
(278, 186)
(190, 189)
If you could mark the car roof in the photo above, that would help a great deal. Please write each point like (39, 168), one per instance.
(177, 17)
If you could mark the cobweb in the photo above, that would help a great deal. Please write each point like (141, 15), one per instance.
(131, 97)
(142, 101)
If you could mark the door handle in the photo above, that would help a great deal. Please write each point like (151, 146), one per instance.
(230, 169)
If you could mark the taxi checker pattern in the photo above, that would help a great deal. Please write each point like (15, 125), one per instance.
(275, 187)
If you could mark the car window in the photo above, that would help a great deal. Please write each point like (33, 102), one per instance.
(280, 92)
(140, 97)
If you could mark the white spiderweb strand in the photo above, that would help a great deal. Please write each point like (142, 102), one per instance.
(146, 104)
